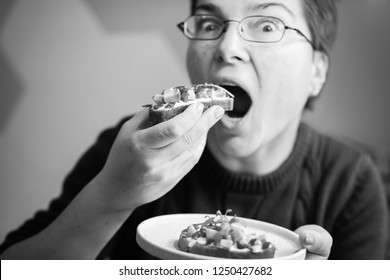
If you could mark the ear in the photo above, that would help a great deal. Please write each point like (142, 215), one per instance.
(319, 72)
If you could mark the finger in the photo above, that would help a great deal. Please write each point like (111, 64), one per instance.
(139, 121)
(183, 163)
(169, 131)
(316, 240)
(191, 139)
(172, 172)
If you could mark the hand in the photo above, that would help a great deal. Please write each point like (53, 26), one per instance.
(146, 161)
(316, 240)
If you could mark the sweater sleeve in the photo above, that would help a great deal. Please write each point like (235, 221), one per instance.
(360, 232)
(84, 171)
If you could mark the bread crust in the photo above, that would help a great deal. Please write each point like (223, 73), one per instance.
(225, 237)
(212, 250)
(164, 111)
(157, 116)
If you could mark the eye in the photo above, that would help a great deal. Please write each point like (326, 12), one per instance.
(262, 29)
(208, 25)
(263, 25)
(268, 28)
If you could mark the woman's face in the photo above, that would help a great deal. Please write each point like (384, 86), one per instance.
(272, 81)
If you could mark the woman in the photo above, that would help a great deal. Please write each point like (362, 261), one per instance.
(259, 160)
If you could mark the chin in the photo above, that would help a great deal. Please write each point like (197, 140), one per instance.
(229, 145)
(234, 135)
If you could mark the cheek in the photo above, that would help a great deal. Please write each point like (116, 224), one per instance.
(199, 57)
(286, 78)
(283, 77)
(194, 64)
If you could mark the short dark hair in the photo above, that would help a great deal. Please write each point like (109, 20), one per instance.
(321, 17)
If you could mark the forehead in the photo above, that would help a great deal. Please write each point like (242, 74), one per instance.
(230, 8)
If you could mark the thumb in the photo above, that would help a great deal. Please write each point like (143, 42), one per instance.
(316, 240)
(139, 121)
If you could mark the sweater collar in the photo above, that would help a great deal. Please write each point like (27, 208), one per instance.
(249, 183)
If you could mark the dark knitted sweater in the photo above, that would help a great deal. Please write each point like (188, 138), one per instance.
(323, 182)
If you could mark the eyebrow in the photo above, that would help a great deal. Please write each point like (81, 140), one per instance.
(264, 6)
(211, 8)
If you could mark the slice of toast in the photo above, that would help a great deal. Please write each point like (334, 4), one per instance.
(175, 100)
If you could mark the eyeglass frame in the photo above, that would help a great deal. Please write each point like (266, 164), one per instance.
(181, 25)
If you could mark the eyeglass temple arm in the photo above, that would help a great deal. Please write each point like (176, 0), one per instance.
(180, 25)
(303, 35)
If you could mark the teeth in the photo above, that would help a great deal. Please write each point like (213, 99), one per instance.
(229, 84)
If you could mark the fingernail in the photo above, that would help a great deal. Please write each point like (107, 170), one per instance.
(199, 107)
(309, 239)
(218, 113)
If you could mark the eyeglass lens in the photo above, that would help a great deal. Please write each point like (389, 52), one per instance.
(255, 28)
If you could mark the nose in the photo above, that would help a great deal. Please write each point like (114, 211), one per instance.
(231, 47)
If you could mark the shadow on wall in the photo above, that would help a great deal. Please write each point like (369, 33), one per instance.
(118, 16)
(11, 88)
(5, 6)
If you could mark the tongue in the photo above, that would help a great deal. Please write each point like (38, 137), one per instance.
(242, 102)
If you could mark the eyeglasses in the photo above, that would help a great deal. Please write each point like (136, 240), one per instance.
(261, 29)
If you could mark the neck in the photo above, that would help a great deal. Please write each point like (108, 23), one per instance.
(265, 159)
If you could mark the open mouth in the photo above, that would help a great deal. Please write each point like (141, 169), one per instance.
(242, 101)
